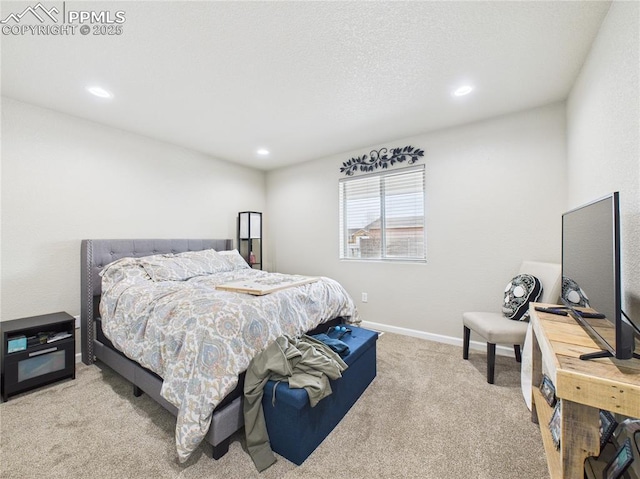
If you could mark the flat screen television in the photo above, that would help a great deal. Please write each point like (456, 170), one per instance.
(591, 275)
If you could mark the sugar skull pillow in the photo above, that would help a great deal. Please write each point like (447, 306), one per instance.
(573, 293)
(520, 291)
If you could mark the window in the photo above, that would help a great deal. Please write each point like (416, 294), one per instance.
(382, 216)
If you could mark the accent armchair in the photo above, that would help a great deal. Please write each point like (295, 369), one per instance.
(495, 328)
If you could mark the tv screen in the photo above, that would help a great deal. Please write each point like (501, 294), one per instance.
(591, 273)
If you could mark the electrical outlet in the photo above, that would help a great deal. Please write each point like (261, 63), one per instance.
(365, 297)
(77, 322)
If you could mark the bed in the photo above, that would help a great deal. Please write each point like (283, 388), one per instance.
(148, 286)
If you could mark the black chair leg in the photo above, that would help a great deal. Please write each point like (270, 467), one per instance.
(491, 361)
(516, 349)
(465, 345)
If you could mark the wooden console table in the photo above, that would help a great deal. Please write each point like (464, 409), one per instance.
(585, 387)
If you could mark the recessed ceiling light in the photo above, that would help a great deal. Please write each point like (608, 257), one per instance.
(99, 92)
(463, 90)
(263, 152)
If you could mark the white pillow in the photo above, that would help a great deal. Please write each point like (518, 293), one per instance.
(233, 257)
(182, 266)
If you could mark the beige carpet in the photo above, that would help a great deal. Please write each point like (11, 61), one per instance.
(428, 414)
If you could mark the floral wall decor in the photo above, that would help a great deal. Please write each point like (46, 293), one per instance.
(381, 158)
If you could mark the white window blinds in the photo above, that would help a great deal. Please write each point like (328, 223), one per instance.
(382, 216)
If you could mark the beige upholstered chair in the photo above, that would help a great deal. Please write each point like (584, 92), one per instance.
(497, 329)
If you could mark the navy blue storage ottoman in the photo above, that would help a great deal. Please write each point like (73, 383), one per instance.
(295, 428)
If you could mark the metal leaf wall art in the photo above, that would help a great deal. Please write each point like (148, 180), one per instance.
(381, 158)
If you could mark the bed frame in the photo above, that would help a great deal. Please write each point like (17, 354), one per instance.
(95, 254)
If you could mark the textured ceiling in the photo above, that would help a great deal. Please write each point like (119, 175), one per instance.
(302, 79)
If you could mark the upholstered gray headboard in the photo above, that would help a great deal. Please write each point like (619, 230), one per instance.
(97, 253)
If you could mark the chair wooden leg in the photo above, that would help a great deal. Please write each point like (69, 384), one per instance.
(465, 345)
(491, 361)
(516, 349)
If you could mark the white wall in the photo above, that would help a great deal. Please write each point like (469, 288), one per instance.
(495, 194)
(65, 179)
(603, 134)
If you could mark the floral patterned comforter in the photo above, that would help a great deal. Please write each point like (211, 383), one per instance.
(197, 338)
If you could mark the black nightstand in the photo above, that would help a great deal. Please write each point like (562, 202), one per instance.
(36, 351)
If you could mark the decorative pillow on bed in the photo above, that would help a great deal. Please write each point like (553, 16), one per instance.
(520, 291)
(182, 266)
(233, 257)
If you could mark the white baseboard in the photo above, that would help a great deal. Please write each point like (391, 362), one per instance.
(439, 338)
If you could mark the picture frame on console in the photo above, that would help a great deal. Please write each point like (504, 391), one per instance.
(548, 391)
(555, 424)
(608, 424)
(620, 462)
